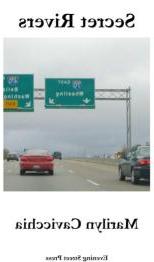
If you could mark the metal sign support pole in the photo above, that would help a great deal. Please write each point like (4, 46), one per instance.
(128, 116)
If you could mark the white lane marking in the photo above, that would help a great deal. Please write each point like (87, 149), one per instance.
(71, 171)
(92, 182)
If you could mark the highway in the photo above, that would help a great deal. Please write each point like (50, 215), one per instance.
(69, 175)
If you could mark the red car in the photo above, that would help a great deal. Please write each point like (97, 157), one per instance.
(36, 160)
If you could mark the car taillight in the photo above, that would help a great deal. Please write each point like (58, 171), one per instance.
(143, 162)
(49, 158)
(23, 158)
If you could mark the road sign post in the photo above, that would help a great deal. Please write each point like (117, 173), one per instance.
(18, 93)
(69, 93)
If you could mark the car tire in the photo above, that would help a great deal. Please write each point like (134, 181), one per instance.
(51, 172)
(121, 175)
(134, 180)
(22, 172)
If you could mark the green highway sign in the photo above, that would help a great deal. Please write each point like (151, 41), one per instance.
(18, 93)
(70, 93)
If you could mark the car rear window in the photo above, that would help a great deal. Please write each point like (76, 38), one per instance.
(143, 151)
(37, 152)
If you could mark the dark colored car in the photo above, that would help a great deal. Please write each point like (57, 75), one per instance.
(12, 156)
(38, 161)
(136, 165)
(57, 155)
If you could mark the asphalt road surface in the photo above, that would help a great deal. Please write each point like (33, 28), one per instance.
(69, 175)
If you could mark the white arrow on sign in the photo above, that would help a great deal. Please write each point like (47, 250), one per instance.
(86, 100)
(28, 104)
(51, 101)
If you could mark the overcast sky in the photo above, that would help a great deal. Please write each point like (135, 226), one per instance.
(113, 62)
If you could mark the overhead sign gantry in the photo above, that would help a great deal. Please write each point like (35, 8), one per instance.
(61, 93)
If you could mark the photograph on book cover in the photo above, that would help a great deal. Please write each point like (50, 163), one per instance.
(76, 114)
